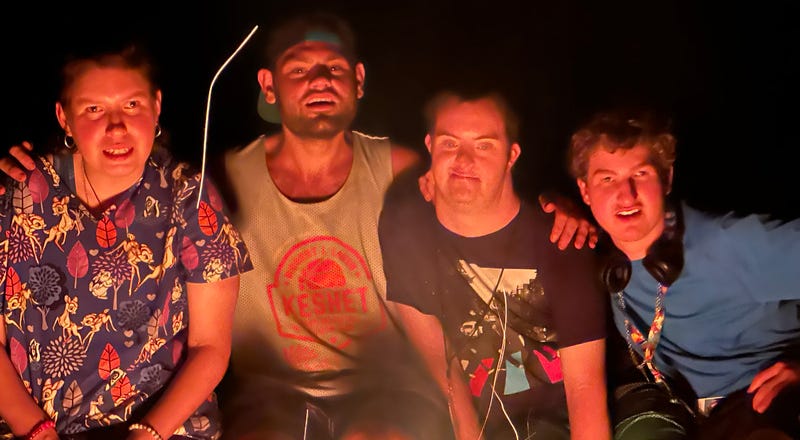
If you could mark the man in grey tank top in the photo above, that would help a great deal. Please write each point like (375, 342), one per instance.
(316, 353)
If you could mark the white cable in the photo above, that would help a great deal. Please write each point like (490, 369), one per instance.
(208, 108)
(500, 358)
(305, 426)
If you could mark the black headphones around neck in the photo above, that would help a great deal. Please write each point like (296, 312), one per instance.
(664, 259)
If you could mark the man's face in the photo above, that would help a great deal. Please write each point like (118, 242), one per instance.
(316, 89)
(626, 196)
(471, 157)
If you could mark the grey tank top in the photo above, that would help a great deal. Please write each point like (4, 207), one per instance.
(317, 288)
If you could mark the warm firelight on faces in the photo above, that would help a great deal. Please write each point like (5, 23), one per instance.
(626, 196)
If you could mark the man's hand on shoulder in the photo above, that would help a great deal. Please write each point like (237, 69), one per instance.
(19, 156)
(569, 222)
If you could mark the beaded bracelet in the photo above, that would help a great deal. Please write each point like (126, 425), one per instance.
(153, 433)
(40, 427)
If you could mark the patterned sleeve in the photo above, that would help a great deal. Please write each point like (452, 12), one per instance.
(211, 248)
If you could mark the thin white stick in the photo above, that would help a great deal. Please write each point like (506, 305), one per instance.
(208, 108)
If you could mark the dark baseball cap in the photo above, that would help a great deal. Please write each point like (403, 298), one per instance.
(317, 26)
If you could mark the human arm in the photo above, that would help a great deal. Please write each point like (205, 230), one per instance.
(768, 383)
(425, 333)
(211, 307)
(568, 223)
(583, 366)
(17, 407)
(403, 158)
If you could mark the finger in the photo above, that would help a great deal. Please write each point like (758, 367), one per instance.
(765, 375)
(10, 167)
(593, 236)
(570, 227)
(23, 154)
(581, 234)
(547, 205)
(763, 397)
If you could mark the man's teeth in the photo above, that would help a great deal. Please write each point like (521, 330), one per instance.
(628, 212)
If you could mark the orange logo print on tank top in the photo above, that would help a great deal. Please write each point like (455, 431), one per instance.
(323, 295)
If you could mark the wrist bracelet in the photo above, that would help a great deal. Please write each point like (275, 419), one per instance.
(40, 427)
(144, 427)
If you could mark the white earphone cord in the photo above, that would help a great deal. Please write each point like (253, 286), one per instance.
(208, 108)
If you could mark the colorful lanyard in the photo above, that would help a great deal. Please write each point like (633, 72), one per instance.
(648, 345)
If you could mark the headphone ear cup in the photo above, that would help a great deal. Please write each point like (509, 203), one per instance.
(665, 261)
(616, 271)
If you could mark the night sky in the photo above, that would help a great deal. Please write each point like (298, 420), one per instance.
(724, 73)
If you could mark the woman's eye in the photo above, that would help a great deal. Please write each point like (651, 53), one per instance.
(92, 109)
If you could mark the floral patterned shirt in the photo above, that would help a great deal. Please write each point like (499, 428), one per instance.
(95, 306)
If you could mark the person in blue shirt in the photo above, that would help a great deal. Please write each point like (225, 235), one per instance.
(709, 306)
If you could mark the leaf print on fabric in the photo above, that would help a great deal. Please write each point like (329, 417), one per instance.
(106, 233)
(63, 357)
(109, 361)
(72, 399)
(124, 215)
(189, 257)
(121, 389)
(13, 285)
(21, 199)
(17, 297)
(207, 219)
(214, 198)
(45, 283)
(19, 357)
(39, 187)
(177, 352)
(77, 262)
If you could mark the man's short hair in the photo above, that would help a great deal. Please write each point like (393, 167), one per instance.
(623, 128)
(510, 118)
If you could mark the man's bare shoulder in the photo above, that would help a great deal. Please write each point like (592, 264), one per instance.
(263, 143)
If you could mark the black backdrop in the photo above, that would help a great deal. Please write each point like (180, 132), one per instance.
(724, 72)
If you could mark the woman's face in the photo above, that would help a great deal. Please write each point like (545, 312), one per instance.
(111, 113)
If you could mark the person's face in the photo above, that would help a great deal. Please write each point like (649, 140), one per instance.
(626, 196)
(471, 157)
(316, 89)
(112, 114)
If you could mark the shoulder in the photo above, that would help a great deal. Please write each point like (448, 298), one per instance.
(259, 145)
(403, 158)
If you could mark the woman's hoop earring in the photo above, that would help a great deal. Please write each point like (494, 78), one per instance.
(158, 130)
(69, 142)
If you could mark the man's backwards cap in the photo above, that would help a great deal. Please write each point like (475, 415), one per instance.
(318, 26)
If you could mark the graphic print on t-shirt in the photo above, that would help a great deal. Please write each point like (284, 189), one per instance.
(483, 333)
(321, 296)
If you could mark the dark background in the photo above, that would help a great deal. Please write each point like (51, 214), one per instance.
(724, 72)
